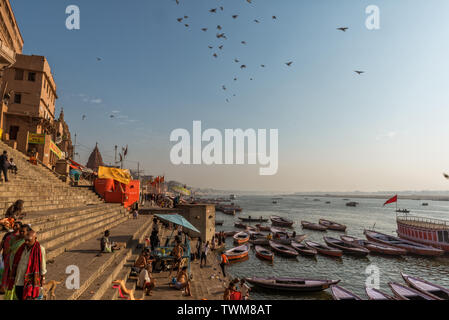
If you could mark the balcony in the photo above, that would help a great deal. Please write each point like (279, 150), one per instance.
(7, 55)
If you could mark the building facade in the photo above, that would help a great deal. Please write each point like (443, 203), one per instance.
(11, 43)
(31, 108)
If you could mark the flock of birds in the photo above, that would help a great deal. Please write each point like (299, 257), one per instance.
(222, 35)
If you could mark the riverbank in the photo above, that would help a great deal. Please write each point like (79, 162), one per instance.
(379, 196)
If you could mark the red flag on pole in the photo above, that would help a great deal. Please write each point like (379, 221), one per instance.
(391, 200)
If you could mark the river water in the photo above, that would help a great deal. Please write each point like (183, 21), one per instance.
(350, 270)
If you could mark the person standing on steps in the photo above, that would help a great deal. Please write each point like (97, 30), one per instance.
(4, 164)
(223, 263)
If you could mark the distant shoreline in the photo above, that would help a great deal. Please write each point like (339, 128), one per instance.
(379, 196)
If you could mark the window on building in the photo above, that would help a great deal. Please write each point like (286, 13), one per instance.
(19, 74)
(18, 98)
(32, 76)
(13, 130)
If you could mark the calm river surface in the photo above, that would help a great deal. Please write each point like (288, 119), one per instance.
(351, 270)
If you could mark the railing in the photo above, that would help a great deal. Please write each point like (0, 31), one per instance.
(427, 221)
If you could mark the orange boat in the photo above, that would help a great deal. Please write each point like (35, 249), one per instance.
(237, 253)
(241, 237)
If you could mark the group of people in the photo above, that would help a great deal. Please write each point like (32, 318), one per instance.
(202, 250)
(144, 268)
(237, 290)
(13, 213)
(6, 164)
(24, 264)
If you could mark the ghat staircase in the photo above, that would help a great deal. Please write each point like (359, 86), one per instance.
(70, 221)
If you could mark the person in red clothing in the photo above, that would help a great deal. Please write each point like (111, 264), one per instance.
(231, 293)
(223, 263)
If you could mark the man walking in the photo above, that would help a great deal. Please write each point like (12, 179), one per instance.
(4, 164)
(28, 268)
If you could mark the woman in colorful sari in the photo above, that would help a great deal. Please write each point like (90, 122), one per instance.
(5, 248)
(15, 244)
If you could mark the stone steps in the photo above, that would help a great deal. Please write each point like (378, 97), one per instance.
(119, 268)
(97, 271)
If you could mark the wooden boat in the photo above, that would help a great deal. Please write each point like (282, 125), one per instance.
(313, 226)
(352, 204)
(219, 222)
(241, 237)
(331, 225)
(251, 229)
(323, 249)
(373, 247)
(240, 225)
(260, 241)
(281, 222)
(346, 247)
(256, 234)
(250, 219)
(340, 293)
(229, 212)
(264, 254)
(374, 294)
(237, 253)
(303, 249)
(283, 249)
(262, 228)
(292, 284)
(411, 247)
(406, 293)
(436, 291)
(290, 239)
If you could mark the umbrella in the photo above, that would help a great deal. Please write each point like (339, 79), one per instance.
(177, 220)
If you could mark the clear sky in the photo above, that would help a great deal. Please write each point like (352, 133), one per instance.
(338, 131)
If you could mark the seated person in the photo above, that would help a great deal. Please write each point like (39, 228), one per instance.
(182, 282)
(146, 281)
(12, 166)
(106, 245)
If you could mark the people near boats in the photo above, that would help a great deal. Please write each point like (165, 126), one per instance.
(294, 234)
(204, 252)
(224, 261)
(182, 281)
(269, 236)
(231, 293)
(28, 269)
(146, 282)
(106, 245)
(244, 290)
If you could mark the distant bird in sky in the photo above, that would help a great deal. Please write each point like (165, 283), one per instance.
(242, 66)
(249, 1)
(186, 17)
(235, 79)
(220, 47)
(227, 100)
(243, 42)
(210, 47)
(221, 8)
(84, 117)
(221, 35)
(186, 25)
(99, 59)
(359, 72)
(445, 175)
(251, 79)
(219, 27)
(177, 1)
(343, 29)
(223, 87)
(213, 10)
(236, 60)
(289, 63)
(235, 16)
(215, 55)
(111, 116)
(204, 29)
(274, 17)
(256, 21)
(262, 65)
(179, 19)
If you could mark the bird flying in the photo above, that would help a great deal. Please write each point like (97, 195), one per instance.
(215, 55)
(359, 72)
(243, 42)
(242, 66)
(204, 29)
(256, 21)
(235, 16)
(289, 63)
(213, 10)
(274, 17)
(84, 116)
(236, 60)
(220, 47)
(343, 29)
(445, 175)
(179, 19)
(219, 27)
